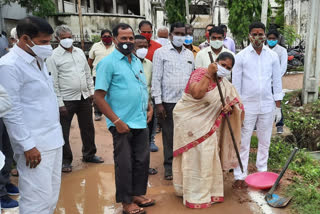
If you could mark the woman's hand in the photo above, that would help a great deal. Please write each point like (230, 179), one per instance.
(212, 70)
(226, 109)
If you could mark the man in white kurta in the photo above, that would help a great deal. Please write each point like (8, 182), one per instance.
(255, 68)
(33, 122)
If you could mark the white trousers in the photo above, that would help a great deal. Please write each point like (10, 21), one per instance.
(264, 124)
(40, 187)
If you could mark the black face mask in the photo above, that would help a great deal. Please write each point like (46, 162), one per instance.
(125, 48)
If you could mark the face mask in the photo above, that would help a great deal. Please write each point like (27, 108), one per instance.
(178, 41)
(66, 43)
(163, 41)
(222, 71)
(272, 43)
(188, 40)
(107, 40)
(42, 51)
(216, 44)
(147, 35)
(125, 47)
(141, 53)
(257, 41)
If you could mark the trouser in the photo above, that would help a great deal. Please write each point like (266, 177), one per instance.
(96, 108)
(152, 125)
(167, 137)
(131, 160)
(39, 187)
(264, 124)
(82, 108)
(6, 149)
(280, 123)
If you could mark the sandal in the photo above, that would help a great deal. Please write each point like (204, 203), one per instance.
(145, 202)
(66, 168)
(152, 171)
(137, 210)
(168, 177)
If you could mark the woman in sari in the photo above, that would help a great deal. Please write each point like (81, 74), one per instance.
(202, 146)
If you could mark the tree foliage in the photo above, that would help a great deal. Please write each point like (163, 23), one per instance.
(279, 19)
(176, 10)
(40, 8)
(241, 15)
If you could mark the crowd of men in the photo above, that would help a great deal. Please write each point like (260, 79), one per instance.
(135, 82)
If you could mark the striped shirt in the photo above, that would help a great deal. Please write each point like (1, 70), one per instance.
(170, 73)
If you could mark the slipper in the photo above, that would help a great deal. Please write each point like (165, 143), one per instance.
(135, 211)
(149, 203)
(66, 168)
(152, 171)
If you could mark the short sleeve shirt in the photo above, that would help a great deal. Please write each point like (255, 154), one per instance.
(126, 87)
(97, 52)
(153, 46)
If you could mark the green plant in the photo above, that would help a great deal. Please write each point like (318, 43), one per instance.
(279, 19)
(176, 10)
(40, 8)
(95, 38)
(290, 34)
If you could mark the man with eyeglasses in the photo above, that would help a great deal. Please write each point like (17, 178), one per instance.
(97, 52)
(145, 29)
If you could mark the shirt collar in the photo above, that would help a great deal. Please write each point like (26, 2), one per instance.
(23, 54)
(252, 49)
(62, 51)
(172, 48)
(120, 56)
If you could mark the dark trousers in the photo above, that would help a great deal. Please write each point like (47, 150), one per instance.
(6, 149)
(83, 109)
(167, 137)
(131, 160)
(96, 109)
(152, 125)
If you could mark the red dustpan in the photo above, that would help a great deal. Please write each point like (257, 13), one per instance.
(261, 180)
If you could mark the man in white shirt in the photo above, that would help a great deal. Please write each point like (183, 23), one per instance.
(33, 122)
(255, 69)
(206, 43)
(228, 42)
(162, 36)
(216, 35)
(73, 85)
(272, 41)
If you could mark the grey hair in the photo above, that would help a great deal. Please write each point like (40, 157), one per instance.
(62, 28)
(163, 28)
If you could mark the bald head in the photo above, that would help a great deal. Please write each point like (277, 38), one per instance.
(163, 32)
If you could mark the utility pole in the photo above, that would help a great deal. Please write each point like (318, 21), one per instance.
(187, 11)
(81, 24)
(114, 5)
(264, 12)
(312, 57)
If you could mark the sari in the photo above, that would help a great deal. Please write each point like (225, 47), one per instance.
(202, 146)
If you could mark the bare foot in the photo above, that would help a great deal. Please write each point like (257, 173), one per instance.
(132, 209)
(142, 201)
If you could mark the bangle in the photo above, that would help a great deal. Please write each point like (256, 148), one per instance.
(117, 120)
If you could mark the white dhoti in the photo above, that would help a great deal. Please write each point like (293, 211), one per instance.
(40, 187)
(264, 123)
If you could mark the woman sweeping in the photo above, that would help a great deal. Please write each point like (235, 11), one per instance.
(202, 142)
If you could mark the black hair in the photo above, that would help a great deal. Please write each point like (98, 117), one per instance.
(144, 22)
(209, 25)
(257, 25)
(223, 26)
(176, 25)
(32, 26)
(138, 36)
(224, 56)
(106, 31)
(122, 26)
(188, 26)
(217, 30)
(274, 32)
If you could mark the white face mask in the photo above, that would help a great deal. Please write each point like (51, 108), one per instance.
(141, 53)
(216, 44)
(163, 41)
(66, 43)
(42, 51)
(178, 40)
(222, 71)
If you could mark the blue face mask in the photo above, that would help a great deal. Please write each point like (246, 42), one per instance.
(272, 43)
(188, 40)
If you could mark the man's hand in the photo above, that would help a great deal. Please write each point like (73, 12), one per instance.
(161, 112)
(63, 111)
(149, 114)
(90, 99)
(33, 157)
(122, 127)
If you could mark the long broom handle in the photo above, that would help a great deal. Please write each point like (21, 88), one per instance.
(227, 117)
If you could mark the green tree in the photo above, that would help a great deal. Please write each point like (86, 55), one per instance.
(40, 8)
(279, 19)
(241, 15)
(176, 10)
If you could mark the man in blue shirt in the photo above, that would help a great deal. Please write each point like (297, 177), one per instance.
(121, 95)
